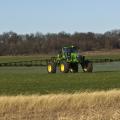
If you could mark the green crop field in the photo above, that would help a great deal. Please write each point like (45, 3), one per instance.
(38, 57)
(36, 80)
(4, 59)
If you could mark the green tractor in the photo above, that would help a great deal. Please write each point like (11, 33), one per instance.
(68, 60)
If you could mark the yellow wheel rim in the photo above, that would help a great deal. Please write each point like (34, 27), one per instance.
(62, 67)
(49, 68)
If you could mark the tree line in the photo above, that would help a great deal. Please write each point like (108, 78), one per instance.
(12, 43)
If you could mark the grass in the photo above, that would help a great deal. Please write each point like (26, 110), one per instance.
(30, 93)
(4, 59)
(79, 106)
(103, 57)
(114, 54)
(36, 80)
(32, 80)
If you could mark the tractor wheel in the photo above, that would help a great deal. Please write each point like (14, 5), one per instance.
(64, 67)
(51, 67)
(88, 66)
(74, 67)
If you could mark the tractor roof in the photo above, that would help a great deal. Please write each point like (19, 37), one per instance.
(69, 46)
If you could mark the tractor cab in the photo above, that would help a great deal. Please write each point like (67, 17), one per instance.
(69, 54)
(71, 49)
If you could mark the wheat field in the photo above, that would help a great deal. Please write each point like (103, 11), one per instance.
(104, 105)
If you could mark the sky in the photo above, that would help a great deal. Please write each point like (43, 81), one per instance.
(53, 16)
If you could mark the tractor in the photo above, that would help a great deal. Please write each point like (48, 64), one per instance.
(68, 60)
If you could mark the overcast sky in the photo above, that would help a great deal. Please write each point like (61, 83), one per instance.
(30, 16)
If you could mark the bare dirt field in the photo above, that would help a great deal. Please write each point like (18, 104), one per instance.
(102, 52)
(78, 106)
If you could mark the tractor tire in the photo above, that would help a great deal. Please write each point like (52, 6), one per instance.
(88, 66)
(64, 67)
(74, 68)
(51, 67)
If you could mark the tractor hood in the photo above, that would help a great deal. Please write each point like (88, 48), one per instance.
(74, 57)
